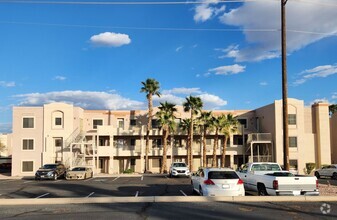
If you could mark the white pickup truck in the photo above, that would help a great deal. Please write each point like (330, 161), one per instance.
(269, 179)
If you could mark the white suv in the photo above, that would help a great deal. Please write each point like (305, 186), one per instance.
(179, 169)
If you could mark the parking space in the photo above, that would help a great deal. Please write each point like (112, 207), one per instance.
(96, 187)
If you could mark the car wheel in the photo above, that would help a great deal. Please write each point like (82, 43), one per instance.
(261, 189)
(55, 176)
(334, 176)
(37, 178)
(317, 175)
(200, 191)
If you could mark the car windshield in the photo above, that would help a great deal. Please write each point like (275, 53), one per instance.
(179, 165)
(49, 166)
(222, 175)
(78, 169)
(266, 167)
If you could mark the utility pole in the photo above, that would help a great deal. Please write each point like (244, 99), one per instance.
(284, 86)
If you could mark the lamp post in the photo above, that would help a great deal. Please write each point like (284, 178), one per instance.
(284, 87)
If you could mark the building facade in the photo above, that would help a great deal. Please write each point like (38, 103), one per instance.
(114, 141)
(333, 129)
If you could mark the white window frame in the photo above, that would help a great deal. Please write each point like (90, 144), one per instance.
(28, 117)
(28, 149)
(101, 119)
(21, 166)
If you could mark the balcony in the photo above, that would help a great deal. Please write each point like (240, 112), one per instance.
(259, 137)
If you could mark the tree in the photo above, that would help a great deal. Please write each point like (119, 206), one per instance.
(194, 106)
(205, 120)
(216, 125)
(151, 88)
(184, 125)
(2, 148)
(166, 118)
(332, 109)
(228, 125)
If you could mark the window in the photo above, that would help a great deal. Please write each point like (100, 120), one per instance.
(238, 140)
(97, 122)
(133, 162)
(58, 142)
(293, 164)
(156, 143)
(292, 119)
(133, 142)
(133, 122)
(27, 144)
(156, 163)
(28, 122)
(155, 123)
(27, 166)
(58, 121)
(243, 122)
(208, 141)
(120, 123)
(292, 141)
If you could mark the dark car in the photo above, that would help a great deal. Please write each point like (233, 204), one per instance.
(51, 171)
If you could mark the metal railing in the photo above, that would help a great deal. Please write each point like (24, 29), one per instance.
(259, 137)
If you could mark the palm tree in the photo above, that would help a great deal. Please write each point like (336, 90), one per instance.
(184, 125)
(166, 118)
(150, 87)
(216, 125)
(194, 105)
(229, 125)
(205, 122)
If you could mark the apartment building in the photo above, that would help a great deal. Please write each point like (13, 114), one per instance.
(5, 145)
(114, 141)
(333, 129)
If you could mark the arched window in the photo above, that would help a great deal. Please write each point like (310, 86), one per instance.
(57, 120)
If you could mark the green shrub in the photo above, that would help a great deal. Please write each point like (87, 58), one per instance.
(310, 167)
(128, 171)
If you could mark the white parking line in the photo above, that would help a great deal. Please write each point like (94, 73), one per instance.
(183, 193)
(27, 181)
(90, 194)
(137, 194)
(6, 181)
(142, 178)
(42, 195)
(115, 179)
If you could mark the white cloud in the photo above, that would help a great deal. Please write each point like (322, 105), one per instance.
(61, 78)
(263, 83)
(183, 90)
(334, 95)
(228, 70)
(174, 96)
(266, 15)
(179, 48)
(7, 84)
(319, 100)
(206, 11)
(84, 99)
(317, 72)
(110, 39)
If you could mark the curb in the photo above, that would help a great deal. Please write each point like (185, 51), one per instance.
(166, 199)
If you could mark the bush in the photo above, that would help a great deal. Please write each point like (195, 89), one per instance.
(128, 171)
(309, 167)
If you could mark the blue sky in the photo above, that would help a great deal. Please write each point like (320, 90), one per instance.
(95, 55)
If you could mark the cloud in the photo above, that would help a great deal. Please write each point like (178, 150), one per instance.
(61, 78)
(319, 100)
(110, 39)
(7, 84)
(183, 90)
(302, 18)
(177, 96)
(263, 83)
(334, 95)
(317, 72)
(179, 48)
(206, 11)
(228, 70)
(84, 99)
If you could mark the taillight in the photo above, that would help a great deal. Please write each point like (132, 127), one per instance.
(316, 184)
(275, 184)
(208, 182)
(240, 182)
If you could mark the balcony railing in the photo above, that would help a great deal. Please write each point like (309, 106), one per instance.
(259, 137)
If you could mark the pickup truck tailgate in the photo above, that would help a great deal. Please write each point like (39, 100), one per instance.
(296, 183)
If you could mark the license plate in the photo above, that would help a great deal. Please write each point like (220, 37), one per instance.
(297, 193)
(225, 186)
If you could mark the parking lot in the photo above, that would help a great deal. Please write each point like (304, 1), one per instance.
(150, 185)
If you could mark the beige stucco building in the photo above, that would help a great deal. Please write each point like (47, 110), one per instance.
(114, 141)
(5, 149)
(333, 129)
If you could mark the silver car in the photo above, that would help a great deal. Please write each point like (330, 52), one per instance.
(217, 182)
(79, 173)
(179, 169)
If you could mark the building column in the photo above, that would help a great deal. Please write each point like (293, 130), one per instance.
(231, 161)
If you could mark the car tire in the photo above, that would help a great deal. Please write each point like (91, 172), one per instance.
(334, 176)
(317, 175)
(200, 191)
(36, 178)
(261, 190)
(55, 176)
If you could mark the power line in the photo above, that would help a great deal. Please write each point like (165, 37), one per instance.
(170, 28)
